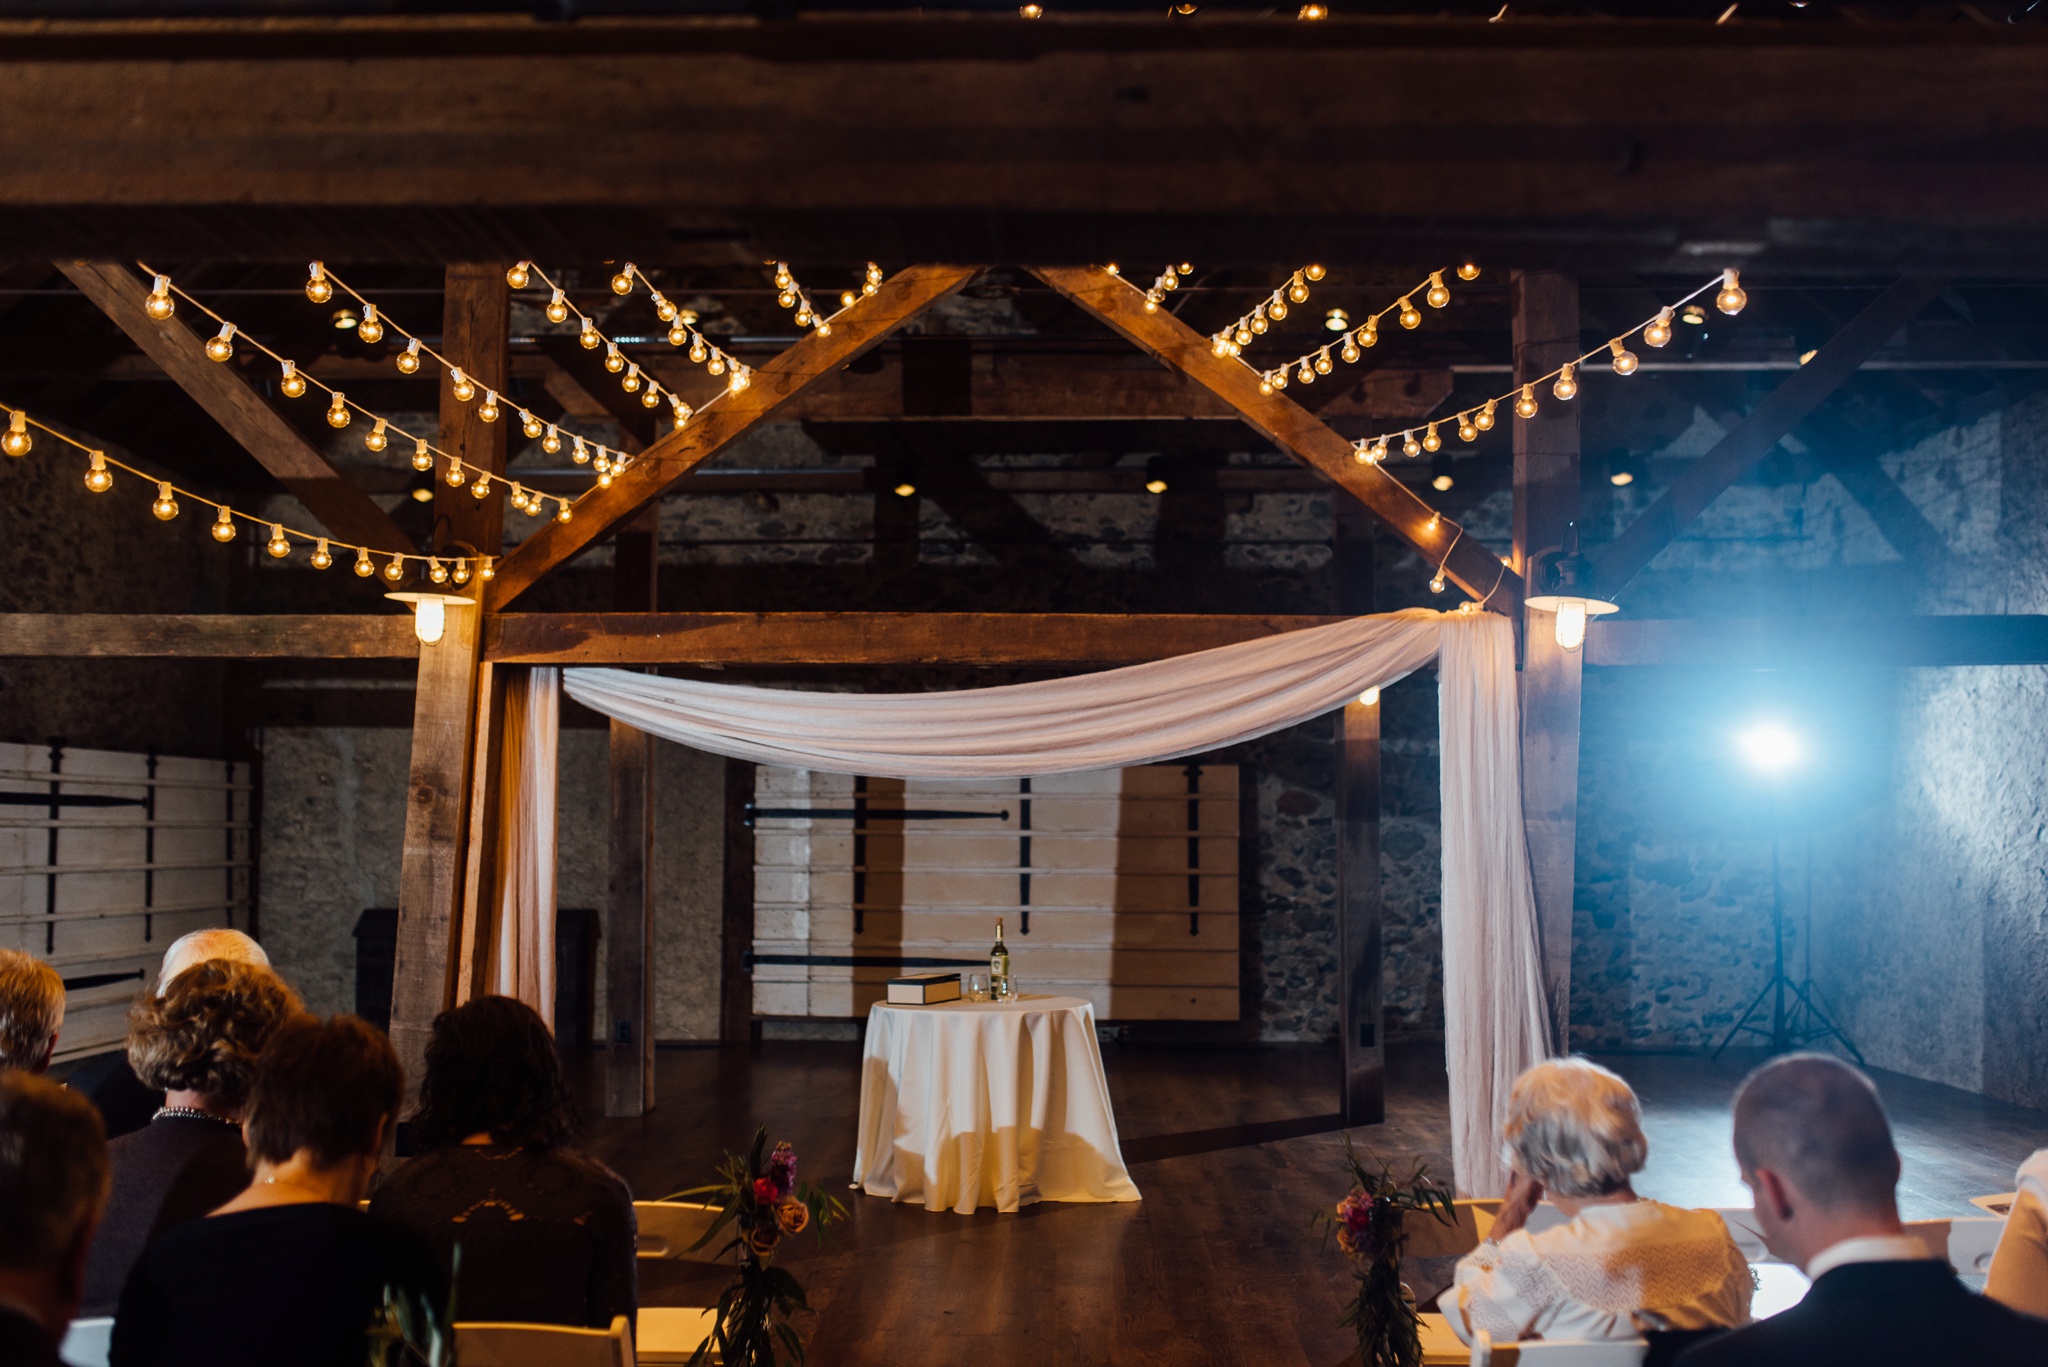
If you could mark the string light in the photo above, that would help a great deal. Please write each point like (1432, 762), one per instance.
(221, 346)
(364, 569)
(395, 571)
(17, 442)
(374, 439)
(1566, 386)
(1625, 361)
(166, 504)
(1439, 293)
(487, 411)
(322, 557)
(409, 359)
(293, 384)
(371, 329)
(1468, 271)
(98, 478)
(1657, 332)
(317, 287)
(278, 547)
(1165, 283)
(337, 411)
(515, 274)
(160, 305)
(1525, 402)
(1232, 340)
(1731, 298)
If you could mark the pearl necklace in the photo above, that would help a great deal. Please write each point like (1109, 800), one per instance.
(192, 1113)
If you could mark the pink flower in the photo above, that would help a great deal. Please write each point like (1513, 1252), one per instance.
(765, 1193)
(782, 1168)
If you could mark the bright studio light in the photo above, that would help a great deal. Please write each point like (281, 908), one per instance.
(1770, 747)
(430, 613)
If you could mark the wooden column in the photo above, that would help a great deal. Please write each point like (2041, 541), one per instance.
(430, 879)
(735, 980)
(1546, 333)
(1359, 951)
(629, 905)
(475, 334)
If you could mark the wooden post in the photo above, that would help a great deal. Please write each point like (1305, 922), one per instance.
(430, 878)
(735, 980)
(1362, 1042)
(475, 335)
(629, 905)
(1546, 333)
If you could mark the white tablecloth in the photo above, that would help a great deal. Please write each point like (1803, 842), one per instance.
(1002, 1104)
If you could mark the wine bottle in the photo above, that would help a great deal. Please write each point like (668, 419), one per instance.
(999, 966)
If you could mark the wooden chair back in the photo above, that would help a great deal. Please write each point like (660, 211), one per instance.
(668, 1228)
(484, 1344)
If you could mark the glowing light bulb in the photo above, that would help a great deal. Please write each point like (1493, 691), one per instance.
(1313, 271)
(292, 384)
(678, 335)
(588, 337)
(1322, 363)
(166, 505)
(322, 557)
(409, 359)
(221, 346)
(395, 571)
(1525, 403)
(1305, 374)
(529, 423)
(1379, 451)
(1468, 271)
(488, 410)
(1297, 292)
(481, 489)
(518, 496)
(1219, 346)
(1431, 441)
(787, 299)
(1266, 385)
(558, 308)
(1731, 298)
(663, 309)
(741, 378)
(1277, 310)
(631, 381)
(278, 547)
(464, 388)
(371, 329)
(461, 572)
(581, 455)
(1436, 585)
(422, 458)
(1625, 361)
(604, 479)
(436, 571)
(1031, 11)
(98, 477)
(317, 288)
(1369, 335)
(612, 360)
(1411, 317)
(1467, 429)
(516, 277)
(337, 411)
(1570, 626)
(160, 305)
(562, 513)
(1362, 453)
(486, 570)
(364, 569)
(1566, 385)
(1369, 698)
(535, 505)
(603, 461)
(1259, 324)
(223, 528)
(1349, 351)
(1439, 293)
(698, 351)
(16, 441)
(650, 397)
(1410, 446)
(681, 411)
(1312, 11)
(1483, 420)
(1657, 332)
(455, 474)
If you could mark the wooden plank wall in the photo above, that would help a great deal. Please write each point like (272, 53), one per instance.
(1119, 886)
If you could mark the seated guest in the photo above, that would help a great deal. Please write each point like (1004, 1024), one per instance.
(199, 1042)
(290, 1271)
(1816, 1152)
(547, 1234)
(53, 1176)
(31, 1011)
(2019, 1269)
(126, 1104)
(1621, 1266)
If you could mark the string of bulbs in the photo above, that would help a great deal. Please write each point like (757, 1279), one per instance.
(1563, 381)
(341, 410)
(790, 295)
(1307, 366)
(17, 441)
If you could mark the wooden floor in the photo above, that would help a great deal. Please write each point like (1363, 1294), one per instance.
(1233, 1151)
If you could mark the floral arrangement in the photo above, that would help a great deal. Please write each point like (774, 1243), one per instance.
(407, 1330)
(1369, 1224)
(761, 1199)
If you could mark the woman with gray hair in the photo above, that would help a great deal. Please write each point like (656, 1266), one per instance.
(1619, 1265)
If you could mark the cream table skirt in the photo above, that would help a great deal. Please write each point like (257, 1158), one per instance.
(970, 1104)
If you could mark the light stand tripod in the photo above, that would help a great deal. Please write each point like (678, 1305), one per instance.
(1797, 1017)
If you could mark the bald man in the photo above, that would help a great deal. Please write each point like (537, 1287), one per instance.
(124, 1103)
(1816, 1151)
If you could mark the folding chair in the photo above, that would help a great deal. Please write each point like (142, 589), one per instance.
(87, 1342)
(668, 1228)
(544, 1345)
(670, 1334)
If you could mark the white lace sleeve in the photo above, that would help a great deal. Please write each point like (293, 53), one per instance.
(1491, 1296)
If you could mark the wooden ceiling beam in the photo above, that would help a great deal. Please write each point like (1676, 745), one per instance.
(900, 298)
(219, 636)
(345, 511)
(1293, 429)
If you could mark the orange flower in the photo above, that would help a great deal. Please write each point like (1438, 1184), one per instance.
(793, 1215)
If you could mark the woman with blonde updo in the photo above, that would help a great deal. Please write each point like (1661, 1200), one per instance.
(198, 1043)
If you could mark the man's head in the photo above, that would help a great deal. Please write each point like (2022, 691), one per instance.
(53, 1182)
(215, 942)
(31, 1011)
(1817, 1153)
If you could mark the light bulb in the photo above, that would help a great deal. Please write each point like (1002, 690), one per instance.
(1305, 374)
(223, 528)
(166, 506)
(824, 328)
(631, 380)
(562, 513)
(1349, 351)
(681, 411)
(1410, 446)
(1439, 293)
(1369, 698)
(663, 309)
(371, 329)
(1410, 317)
(160, 305)
(1566, 385)
(905, 489)
(409, 359)
(1031, 11)
(1483, 420)
(1436, 585)
(847, 298)
(317, 288)
(1657, 332)
(783, 279)
(488, 410)
(604, 461)
(98, 477)
(486, 570)
(604, 479)
(1379, 451)
(455, 474)
(535, 504)
(292, 384)
(588, 337)
(395, 571)
(1469, 271)
(612, 360)
(481, 489)
(221, 346)
(581, 455)
(364, 569)
(698, 351)
(461, 572)
(1362, 453)
(422, 458)
(1525, 403)
(1313, 271)
(1625, 361)
(558, 308)
(786, 299)
(1731, 298)
(1259, 324)
(1431, 441)
(1571, 624)
(437, 571)
(1277, 310)
(17, 442)
(464, 388)
(1467, 429)
(322, 557)
(1323, 366)
(1297, 292)
(337, 411)
(374, 439)
(1265, 384)
(278, 547)
(1219, 345)
(678, 334)
(651, 398)
(529, 424)
(1369, 335)
(516, 277)
(518, 497)
(1280, 378)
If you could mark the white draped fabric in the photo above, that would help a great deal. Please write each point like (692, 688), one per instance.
(1493, 997)
(523, 948)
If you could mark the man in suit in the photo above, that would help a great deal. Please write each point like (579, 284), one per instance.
(1816, 1152)
(53, 1181)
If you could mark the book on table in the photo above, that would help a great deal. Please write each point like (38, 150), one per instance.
(924, 989)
